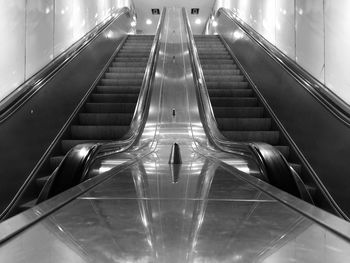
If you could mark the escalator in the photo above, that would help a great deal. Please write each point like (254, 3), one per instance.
(239, 113)
(106, 114)
(148, 207)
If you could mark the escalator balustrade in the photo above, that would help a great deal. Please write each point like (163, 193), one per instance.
(240, 116)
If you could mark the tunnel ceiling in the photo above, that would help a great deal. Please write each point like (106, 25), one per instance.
(144, 12)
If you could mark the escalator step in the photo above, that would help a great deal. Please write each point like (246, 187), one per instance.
(130, 82)
(238, 112)
(244, 124)
(113, 98)
(123, 75)
(105, 118)
(218, 66)
(234, 102)
(218, 72)
(100, 132)
(127, 70)
(117, 89)
(224, 78)
(271, 137)
(230, 92)
(110, 107)
(225, 84)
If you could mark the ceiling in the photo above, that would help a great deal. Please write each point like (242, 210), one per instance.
(143, 10)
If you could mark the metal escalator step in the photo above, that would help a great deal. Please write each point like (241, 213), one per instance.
(221, 78)
(132, 54)
(110, 107)
(237, 84)
(218, 72)
(219, 66)
(130, 82)
(230, 92)
(128, 59)
(215, 56)
(117, 90)
(127, 70)
(271, 137)
(124, 75)
(113, 98)
(234, 102)
(100, 132)
(216, 61)
(244, 124)
(238, 112)
(105, 118)
(132, 64)
(70, 143)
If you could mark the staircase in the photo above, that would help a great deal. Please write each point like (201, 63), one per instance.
(108, 111)
(240, 116)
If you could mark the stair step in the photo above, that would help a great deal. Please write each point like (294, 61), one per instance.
(130, 82)
(124, 75)
(219, 66)
(230, 92)
(271, 137)
(132, 64)
(238, 112)
(114, 98)
(216, 61)
(110, 107)
(105, 118)
(223, 78)
(98, 132)
(218, 72)
(234, 102)
(127, 70)
(223, 84)
(244, 124)
(118, 89)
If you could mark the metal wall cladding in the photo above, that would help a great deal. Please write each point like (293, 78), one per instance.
(34, 32)
(314, 33)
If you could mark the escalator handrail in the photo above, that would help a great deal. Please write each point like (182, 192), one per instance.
(331, 101)
(206, 110)
(16, 99)
(141, 110)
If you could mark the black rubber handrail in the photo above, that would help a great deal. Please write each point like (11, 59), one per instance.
(332, 102)
(11, 103)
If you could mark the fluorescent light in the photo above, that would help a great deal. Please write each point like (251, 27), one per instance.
(148, 21)
(198, 21)
(133, 23)
(215, 24)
